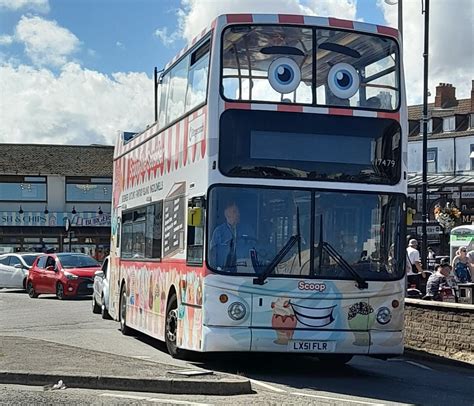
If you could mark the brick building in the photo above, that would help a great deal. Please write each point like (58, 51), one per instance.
(44, 186)
(450, 161)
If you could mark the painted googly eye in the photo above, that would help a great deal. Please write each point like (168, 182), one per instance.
(284, 75)
(343, 80)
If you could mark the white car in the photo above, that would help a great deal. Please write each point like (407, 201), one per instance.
(14, 269)
(100, 295)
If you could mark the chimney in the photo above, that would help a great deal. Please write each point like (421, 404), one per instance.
(445, 96)
(472, 97)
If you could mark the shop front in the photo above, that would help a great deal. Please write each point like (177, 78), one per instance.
(88, 233)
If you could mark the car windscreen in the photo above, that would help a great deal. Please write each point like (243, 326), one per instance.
(77, 261)
(29, 259)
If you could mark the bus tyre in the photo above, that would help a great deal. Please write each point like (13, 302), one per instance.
(126, 331)
(31, 290)
(60, 291)
(171, 327)
(95, 306)
(334, 360)
(104, 312)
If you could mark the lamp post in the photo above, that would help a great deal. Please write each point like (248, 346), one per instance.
(424, 215)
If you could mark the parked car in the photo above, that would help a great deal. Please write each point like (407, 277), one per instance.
(100, 296)
(14, 269)
(64, 274)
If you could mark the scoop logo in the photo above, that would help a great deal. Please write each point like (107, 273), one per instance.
(318, 287)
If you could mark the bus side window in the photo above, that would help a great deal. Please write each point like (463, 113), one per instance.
(197, 77)
(177, 91)
(195, 239)
(153, 236)
(163, 92)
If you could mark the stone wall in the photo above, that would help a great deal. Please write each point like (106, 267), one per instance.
(443, 329)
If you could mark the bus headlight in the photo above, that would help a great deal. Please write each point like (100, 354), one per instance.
(384, 315)
(237, 311)
(343, 80)
(284, 75)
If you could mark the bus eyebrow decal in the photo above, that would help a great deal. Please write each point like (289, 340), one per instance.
(239, 18)
(337, 22)
(290, 18)
(381, 29)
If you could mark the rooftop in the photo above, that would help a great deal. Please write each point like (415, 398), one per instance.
(66, 160)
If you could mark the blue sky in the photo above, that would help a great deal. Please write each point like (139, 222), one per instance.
(77, 71)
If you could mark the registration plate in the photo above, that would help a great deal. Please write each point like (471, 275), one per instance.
(90, 285)
(311, 346)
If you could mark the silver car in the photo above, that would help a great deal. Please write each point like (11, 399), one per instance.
(100, 295)
(14, 269)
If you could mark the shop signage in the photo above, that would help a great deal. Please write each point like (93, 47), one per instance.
(54, 219)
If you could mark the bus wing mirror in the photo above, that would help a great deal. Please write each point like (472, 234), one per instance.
(194, 216)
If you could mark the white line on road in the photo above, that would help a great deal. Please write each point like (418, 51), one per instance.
(338, 399)
(419, 365)
(267, 386)
(156, 400)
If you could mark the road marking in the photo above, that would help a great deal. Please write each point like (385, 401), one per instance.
(177, 402)
(419, 365)
(141, 356)
(156, 400)
(338, 399)
(267, 386)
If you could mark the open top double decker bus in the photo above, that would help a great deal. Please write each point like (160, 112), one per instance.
(265, 209)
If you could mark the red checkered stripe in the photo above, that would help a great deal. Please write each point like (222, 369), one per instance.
(192, 43)
(310, 20)
(166, 152)
(290, 108)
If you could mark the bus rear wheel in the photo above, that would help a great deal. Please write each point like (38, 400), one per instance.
(171, 328)
(126, 331)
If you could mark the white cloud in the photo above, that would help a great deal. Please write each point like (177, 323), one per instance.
(451, 53)
(6, 39)
(76, 106)
(167, 39)
(37, 5)
(46, 43)
(195, 15)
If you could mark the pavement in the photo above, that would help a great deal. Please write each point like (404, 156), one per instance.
(29, 361)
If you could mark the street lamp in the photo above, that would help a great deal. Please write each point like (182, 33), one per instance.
(424, 214)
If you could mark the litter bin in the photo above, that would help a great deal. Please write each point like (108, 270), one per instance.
(465, 292)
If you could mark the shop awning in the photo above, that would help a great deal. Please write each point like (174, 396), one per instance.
(441, 180)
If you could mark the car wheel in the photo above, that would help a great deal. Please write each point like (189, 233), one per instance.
(60, 291)
(104, 311)
(31, 290)
(334, 360)
(171, 328)
(95, 306)
(123, 313)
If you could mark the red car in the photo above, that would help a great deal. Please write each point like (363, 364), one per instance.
(65, 275)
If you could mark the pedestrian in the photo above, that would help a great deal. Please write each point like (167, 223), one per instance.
(413, 264)
(431, 258)
(437, 281)
(461, 266)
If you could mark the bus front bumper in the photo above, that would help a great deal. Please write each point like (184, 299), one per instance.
(231, 339)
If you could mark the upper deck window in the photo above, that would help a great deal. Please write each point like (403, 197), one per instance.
(275, 63)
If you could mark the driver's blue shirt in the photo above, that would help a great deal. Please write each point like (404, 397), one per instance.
(228, 240)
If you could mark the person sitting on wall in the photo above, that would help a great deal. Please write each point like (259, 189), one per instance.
(437, 281)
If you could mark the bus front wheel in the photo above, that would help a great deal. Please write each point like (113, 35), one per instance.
(171, 328)
(123, 313)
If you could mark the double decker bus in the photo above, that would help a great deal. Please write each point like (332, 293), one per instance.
(264, 210)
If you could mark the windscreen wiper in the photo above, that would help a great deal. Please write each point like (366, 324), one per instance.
(325, 246)
(260, 280)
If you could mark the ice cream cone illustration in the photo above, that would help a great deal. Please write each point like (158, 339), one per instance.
(359, 319)
(283, 320)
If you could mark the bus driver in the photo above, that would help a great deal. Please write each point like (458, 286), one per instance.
(231, 242)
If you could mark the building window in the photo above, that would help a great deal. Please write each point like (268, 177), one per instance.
(431, 158)
(23, 188)
(88, 189)
(449, 124)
